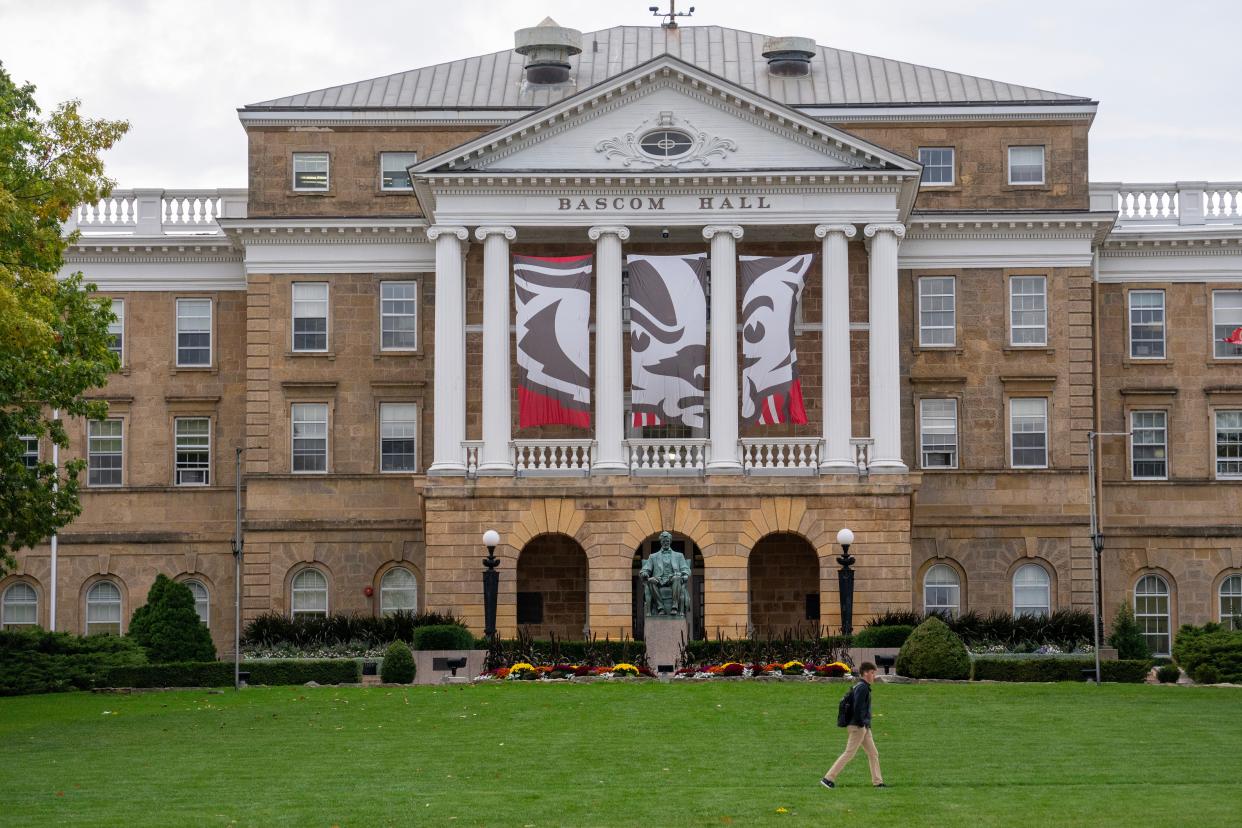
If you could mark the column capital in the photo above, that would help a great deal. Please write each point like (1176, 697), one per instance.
(617, 230)
(436, 230)
(482, 233)
(848, 230)
(896, 228)
(712, 229)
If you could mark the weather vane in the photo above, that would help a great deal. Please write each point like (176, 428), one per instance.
(670, 16)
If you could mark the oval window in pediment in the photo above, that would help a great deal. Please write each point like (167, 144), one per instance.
(665, 143)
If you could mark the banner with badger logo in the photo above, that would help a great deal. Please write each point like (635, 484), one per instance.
(668, 339)
(553, 301)
(771, 288)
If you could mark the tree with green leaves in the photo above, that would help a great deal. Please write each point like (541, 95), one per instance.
(1127, 638)
(168, 627)
(53, 332)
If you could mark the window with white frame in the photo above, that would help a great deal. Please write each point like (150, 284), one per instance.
(1028, 310)
(310, 171)
(1147, 324)
(1026, 165)
(19, 606)
(398, 591)
(202, 601)
(938, 430)
(398, 316)
(103, 609)
(310, 437)
(309, 593)
(394, 172)
(105, 452)
(1151, 611)
(192, 436)
(1149, 443)
(937, 165)
(1229, 444)
(1028, 432)
(1032, 591)
(1231, 602)
(937, 311)
(942, 590)
(193, 332)
(30, 451)
(310, 316)
(116, 331)
(398, 437)
(1227, 323)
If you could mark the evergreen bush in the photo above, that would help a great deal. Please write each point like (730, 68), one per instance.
(398, 666)
(1168, 674)
(1212, 650)
(273, 630)
(37, 661)
(893, 635)
(1126, 638)
(168, 627)
(443, 637)
(933, 651)
(1057, 668)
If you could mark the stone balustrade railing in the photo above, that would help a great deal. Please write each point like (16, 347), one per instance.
(1180, 203)
(157, 212)
(667, 456)
(552, 457)
(780, 455)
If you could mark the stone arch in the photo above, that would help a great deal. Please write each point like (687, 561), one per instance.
(674, 514)
(41, 607)
(301, 566)
(919, 592)
(783, 576)
(1042, 563)
(552, 580)
(787, 515)
(377, 584)
(546, 516)
(687, 546)
(127, 607)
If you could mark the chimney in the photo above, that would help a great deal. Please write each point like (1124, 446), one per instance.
(547, 49)
(789, 57)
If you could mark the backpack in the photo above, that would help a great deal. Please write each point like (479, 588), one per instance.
(845, 710)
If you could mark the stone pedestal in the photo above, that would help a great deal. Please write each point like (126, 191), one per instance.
(663, 637)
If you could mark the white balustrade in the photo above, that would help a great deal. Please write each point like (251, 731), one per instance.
(158, 212)
(1156, 203)
(552, 458)
(780, 455)
(1179, 203)
(1223, 203)
(862, 448)
(470, 450)
(117, 211)
(671, 457)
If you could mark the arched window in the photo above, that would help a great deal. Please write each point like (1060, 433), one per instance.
(103, 609)
(942, 590)
(202, 603)
(1151, 611)
(398, 591)
(1032, 591)
(19, 606)
(1231, 602)
(310, 593)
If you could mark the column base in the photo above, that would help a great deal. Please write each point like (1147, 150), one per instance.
(724, 467)
(887, 467)
(838, 467)
(496, 470)
(447, 470)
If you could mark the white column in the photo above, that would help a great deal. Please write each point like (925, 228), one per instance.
(835, 344)
(609, 369)
(497, 409)
(450, 354)
(722, 375)
(885, 355)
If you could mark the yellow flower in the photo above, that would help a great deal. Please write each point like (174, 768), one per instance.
(629, 669)
(782, 810)
(789, 665)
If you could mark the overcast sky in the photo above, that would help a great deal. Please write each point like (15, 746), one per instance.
(1167, 75)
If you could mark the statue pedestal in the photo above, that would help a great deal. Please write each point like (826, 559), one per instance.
(663, 637)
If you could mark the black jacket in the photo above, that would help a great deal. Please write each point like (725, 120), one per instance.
(862, 705)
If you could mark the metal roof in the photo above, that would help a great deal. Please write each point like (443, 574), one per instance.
(838, 77)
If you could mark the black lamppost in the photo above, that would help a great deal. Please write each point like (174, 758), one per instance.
(845, 582)
(491, 583)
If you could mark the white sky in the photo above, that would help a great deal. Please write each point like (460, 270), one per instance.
(1166, 74)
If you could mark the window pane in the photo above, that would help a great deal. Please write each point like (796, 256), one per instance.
(1031, 591)
(398, 437)
(938, 420)
(1229, 443)
(310, 437)
(20, 606)
(937, 310)
(1028, 429)
(1026, 165)
(310, 316)
(1226, 320)
(1147, 324)
(105, 453)
(398, 591)
(1151, 611)
(941, 590)
(202, 605)
(116, 331)
(310, 171)
(1231, 602)
(1149, 445)
(937, 164)
(30, 451)
(1028, 310)
(393, 172)
(399, 315)
(193, 332)
(310, 593)
(193, 451)
(103, 609)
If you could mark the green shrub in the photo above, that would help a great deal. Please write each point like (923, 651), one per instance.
(1126, 638)
(398, 666)
(893, 635)
(933, 651)
(1211, 646)
(896, 618)
(1168, 674)
(1126, 670)
(167, 626)
(597, 652)
(443, 637)
(1065, 629)
(300, 671)
(1053, 668)
(273, 630)
(765, 650)
(173, 674)
(36, 661)
(1207, 674)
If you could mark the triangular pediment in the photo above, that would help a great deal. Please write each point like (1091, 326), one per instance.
(665, 116)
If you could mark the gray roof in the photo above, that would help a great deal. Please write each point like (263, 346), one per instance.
(838, 77)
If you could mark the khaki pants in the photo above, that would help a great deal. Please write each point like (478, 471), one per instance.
(858, 737)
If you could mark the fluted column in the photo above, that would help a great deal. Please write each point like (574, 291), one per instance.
(450, 356)
(885, 355)
(497, 409)
(835, 344)
(609, 369)
(722, 375)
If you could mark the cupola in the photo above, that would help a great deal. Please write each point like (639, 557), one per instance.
(547, 49)
(789, 57)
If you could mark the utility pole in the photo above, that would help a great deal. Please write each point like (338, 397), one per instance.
(237, 543)
(1097, 542)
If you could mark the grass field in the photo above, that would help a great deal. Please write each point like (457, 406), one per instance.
(622, 754)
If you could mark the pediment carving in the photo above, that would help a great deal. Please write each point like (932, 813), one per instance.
(632, 149)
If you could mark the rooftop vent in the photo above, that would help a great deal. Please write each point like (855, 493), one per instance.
(789, 57)
(547, 48)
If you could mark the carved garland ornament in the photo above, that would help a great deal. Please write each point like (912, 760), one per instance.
(680, 144)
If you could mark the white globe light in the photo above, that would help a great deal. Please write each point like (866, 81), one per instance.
(845, 537)
(491, 538)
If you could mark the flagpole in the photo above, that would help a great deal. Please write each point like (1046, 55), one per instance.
(237, 543)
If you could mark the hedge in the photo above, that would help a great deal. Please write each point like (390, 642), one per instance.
(307, 631)
(1043, 669)
(443, 637)
(220, 673)
(892, 635)
(593, 653)
(765, 650)
(1209, 654)
(1064, 628)
(300, 671)
(37, 661)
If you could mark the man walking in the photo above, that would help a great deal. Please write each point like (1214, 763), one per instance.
(855, 716)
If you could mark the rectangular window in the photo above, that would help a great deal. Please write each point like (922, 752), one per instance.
(398, 437)
(394, 174)
(116, 331)
(1229, 444)
(105, 452)
(1147, 324)
(30, 451)
(193, 450)
(310, 316)
(1026, 165)
(938, 426)
(193, 332)
(1227, 323)
(398, 316)
(310, 171)
(1028, 433)
(937, 165)
(1149, 444)
(937, 311)
(310, 437)
(1028, 310)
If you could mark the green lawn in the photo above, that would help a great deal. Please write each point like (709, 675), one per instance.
(622, 754)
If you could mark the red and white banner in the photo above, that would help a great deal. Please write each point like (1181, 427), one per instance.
(553, 302)
(771, 289)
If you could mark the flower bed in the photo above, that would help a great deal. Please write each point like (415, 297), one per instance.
(790, 669)
(523, 671)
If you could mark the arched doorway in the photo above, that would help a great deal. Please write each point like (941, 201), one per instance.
(552, 583)
(691, 550)
(783, 573)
